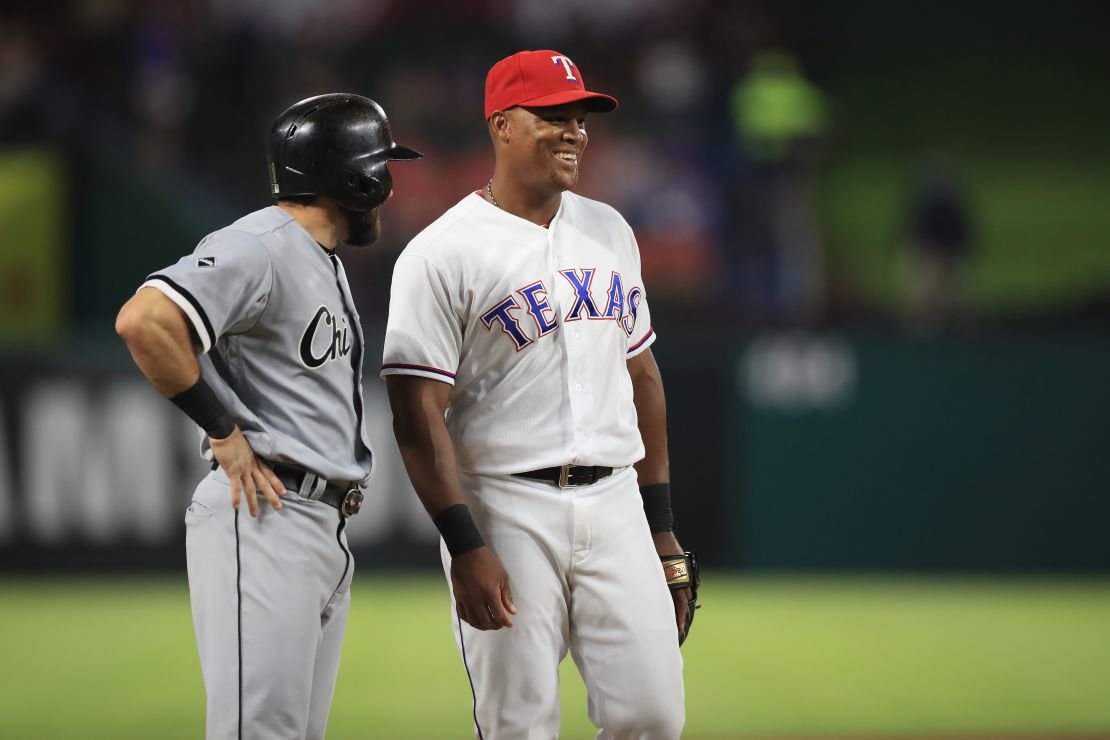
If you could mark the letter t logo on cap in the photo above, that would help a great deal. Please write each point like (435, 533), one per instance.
(540, 79)
(567, 64)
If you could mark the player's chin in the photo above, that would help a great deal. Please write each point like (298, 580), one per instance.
(565, 180)
(366, 230)
(365, 240)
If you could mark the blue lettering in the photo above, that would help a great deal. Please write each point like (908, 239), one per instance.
(633, 309)
(582, 297)
(535, 295)
(509, 325)
(615, 308)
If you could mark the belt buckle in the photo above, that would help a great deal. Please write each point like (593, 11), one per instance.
(352, 502)
(566, 482)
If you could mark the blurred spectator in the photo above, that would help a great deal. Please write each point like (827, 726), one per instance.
(325, 24)
(778, 118)
(939, 241)
(31, 107)
(20, 67)
(544, 20)
(162, 89)
(776, 111)
(653, 172)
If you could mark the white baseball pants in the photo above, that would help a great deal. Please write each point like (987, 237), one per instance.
(585, 577)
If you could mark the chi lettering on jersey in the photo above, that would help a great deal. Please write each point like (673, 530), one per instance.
(534, 309)
(326, 338)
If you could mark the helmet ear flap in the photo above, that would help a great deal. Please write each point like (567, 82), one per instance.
(367, 187)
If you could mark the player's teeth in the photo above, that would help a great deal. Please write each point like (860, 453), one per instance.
(568, 157)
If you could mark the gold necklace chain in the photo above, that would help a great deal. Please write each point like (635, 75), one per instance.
(489, 192)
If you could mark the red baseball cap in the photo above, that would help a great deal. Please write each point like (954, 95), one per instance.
(540, 78)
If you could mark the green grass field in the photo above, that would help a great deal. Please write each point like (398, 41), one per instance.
(104, 658)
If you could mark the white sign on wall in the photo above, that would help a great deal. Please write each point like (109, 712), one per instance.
(103, 464)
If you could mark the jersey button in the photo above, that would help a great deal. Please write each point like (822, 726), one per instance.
(574, 334)
(578, 386)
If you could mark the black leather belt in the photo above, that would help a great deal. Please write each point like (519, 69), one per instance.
(567, 476)
(346, 497)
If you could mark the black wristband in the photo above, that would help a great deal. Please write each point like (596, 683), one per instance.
(657, 507)
(200, 404)
(458, 530)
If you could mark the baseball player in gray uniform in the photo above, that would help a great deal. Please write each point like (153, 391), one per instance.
(255, 336)
(531, 418)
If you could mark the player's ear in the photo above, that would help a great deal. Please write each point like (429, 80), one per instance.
(499, 126)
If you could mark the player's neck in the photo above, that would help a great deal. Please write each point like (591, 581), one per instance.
(320, 219)
(539, 207)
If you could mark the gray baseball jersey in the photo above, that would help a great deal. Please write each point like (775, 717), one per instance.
(276, 312)
(281, 346)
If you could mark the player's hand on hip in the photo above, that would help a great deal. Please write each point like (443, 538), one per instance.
(247, 474)
(483, 598)
(667, 544)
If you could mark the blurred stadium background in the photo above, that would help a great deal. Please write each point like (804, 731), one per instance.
(877, 244)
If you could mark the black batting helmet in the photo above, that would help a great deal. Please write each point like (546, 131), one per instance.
(336, 145)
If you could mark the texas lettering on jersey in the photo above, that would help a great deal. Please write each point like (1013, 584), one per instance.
(326, 338)
(616, 306)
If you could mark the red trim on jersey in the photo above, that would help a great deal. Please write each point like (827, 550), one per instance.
(649, 335)
(405, 366)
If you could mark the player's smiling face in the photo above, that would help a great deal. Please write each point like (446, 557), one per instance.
(547, 144)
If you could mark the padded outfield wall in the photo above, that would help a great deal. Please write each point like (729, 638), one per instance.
(789, 451)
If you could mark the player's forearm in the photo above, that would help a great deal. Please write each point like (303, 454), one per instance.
(651, 415)
(158, 338)
(430, 462)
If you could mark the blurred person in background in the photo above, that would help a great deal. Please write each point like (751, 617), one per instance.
(779, 118)
(530, 415)
(939, 247)
(255, 337)
(21, 77)
(162, 91)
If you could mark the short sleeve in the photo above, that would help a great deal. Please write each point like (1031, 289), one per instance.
(423, 335)
(223, 286)
(637, 320)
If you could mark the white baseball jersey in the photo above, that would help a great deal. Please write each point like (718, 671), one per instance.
(533, 326)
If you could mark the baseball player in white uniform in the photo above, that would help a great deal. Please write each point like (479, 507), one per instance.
(277, 392)
(530, 415)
